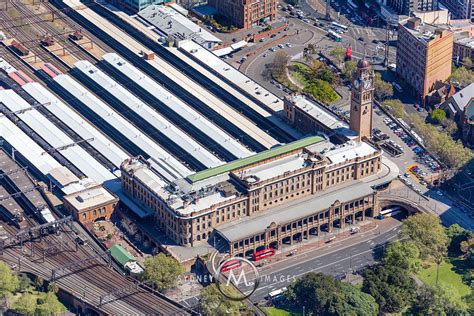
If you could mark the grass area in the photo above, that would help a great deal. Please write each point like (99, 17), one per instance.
(275, 311)
(321, 90)
(447, 275)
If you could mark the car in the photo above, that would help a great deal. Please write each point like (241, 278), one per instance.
(375, 41)
(439, 193)
(273, 35)
(280, 45)
(288, 45)
(361, 39)
(265, 55)
(423, 182)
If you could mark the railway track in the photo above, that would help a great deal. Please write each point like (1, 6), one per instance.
(90, 282)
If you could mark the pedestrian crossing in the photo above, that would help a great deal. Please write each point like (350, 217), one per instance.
(359, 31)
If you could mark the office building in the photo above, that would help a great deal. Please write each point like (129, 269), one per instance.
(246, 13)
(460, 9)
(406, 7)
(424, 55)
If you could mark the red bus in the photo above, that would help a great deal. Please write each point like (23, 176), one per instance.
(232, 264)
(262, 254)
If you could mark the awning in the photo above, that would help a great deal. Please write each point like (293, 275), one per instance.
(239, 45)
(223, 51)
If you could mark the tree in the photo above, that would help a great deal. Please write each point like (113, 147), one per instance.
(352, 301)
(319, 70)
(163, 270)
(426, 231)
(49, 304)
(9, 281)
(450, 126)
(349, 68)
(323, 295)
(214, 303)
(437, 115)
(404, 255)
(338, 53)
(314, 291)
(439, 300)
(382, 89)
(391, 286)
(280, 62)
(462, 76)
(396, 107)
(457, 235)
(26, 304)
(53, 287)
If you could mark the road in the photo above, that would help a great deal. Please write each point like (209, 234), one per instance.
(335, 259)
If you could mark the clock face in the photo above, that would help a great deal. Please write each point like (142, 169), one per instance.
(356, 84)
(367, 84)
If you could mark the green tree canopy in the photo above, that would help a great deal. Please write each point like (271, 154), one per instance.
(462, 76)
(215, 304)
(352, 301)
(427, 233)
(9, 281)
(323, 295)
(382, 89)
(457, 235)
(26, 304)
(48, 304)
(338, 53)
(391, 286)
(396, 107)
(440, 300)
(437, 115)
(349, 68)
(404, 255)
(163, 270)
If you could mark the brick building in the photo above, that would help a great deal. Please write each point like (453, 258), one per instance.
(424, 55)
(246, 13)
(91, 204)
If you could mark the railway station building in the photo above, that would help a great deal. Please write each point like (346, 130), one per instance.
(279, 196)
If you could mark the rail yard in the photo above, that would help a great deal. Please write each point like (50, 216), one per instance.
(78, 97)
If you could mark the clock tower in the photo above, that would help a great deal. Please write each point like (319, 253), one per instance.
(362, 96)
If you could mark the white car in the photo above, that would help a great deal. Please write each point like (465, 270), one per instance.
(280, 45)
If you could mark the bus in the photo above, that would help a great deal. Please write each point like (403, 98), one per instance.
(262, 254)
(276, 294)
(339, 26)
(389, 212)
(335, 36)
(232, 264)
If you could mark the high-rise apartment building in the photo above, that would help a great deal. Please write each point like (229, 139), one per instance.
(460, 9)
(405, 7)
(246, 13)
(424, 55)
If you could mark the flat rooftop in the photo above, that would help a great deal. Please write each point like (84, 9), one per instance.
(91, 197)
(171, 22)
(425, 33)
(322, 115)
(264, 155)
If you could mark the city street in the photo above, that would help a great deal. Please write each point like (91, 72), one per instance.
(336, 258)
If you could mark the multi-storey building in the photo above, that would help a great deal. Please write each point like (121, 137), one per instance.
(246, 13)
(460, 9)
(277, 196)
(406, 7)
(424, 55)
(463, 48)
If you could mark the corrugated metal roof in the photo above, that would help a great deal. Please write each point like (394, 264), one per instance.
(121, 255)
(149, 115)
(177, 105)
(27, 147)
(171, 168)
(255, 158)
(73, 120)
(56, 138)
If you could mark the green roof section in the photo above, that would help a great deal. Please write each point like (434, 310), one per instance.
(269, 153)
(121, 255)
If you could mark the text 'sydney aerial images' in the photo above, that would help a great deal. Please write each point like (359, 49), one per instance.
(237, 157)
